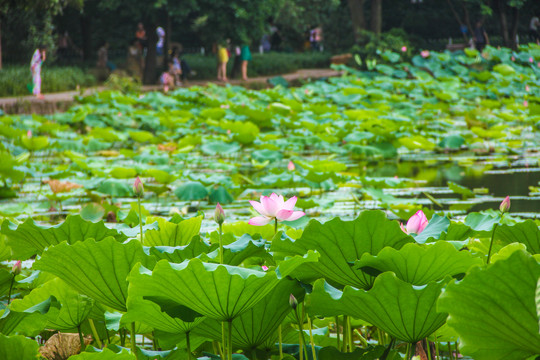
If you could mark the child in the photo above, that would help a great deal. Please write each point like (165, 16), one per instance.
(167, 78)
(223, 58)
(35, 67)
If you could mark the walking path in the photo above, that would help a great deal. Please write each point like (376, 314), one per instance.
(62, 101)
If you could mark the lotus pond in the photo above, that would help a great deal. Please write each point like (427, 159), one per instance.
(157, 270)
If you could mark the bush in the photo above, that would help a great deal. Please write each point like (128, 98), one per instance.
(372, 47)
(261, 65)
(14, 79)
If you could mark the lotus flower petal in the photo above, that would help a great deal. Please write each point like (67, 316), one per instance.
(259, 220)
(258, 206)
(270, 206)
(284, 214)
(296, 215)
(417, 223)
(289, 204)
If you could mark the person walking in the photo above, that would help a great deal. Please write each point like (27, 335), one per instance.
(245, 57)
(534, 29)
(480, 36)
(35, 67)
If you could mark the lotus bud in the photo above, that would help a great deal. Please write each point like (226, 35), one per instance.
(265, 268)
(219, 214)
(293, 302)
(29, 133)
(291, 166)
(138, 187)
(505, 205)
(17, 267)
(404, 49)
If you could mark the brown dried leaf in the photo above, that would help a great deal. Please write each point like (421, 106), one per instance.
(61, 346)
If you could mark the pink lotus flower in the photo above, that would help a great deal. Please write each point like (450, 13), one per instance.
(403, 48)
(291, 166)
(17, 267)
(416, 224)
(525, 103)
(505, 205)
(424, 53)
(513, 58)
(527, 88)
(531, 60)
(274, 207)
(138, 188)
(265, 268)
(29, 133)
(219, 214)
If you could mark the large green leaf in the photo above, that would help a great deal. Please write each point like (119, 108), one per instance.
(419, 265)
(106, 354)
(29, 322)
(220, 292)
(340, 243)
(258, 325)
(74, 306)
(177, 254)
(18, 348)
(526, 232)
(96, 269)
(493, 309)
(404, 311)
(28, 238)
(236, 252)
(171, 234)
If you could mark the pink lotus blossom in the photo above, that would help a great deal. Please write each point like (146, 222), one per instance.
(219, 214)
(403, 48)
(416, 224)
(138, 188)
(424, 53)
(538, 64)
(505, 205)
(29, 133)
(17, 267)
(527, 88)
(224, 106)
(525, 103)
(513, 58)
(291, 166)
(531, 60)
(228, 131)
(274, 207)
(265, 268)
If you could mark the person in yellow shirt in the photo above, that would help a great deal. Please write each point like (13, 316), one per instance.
(223, 58)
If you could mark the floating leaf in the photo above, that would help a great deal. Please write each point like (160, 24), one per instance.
(191, 191)
(18, 348)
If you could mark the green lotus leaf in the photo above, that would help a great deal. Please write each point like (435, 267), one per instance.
(340, 243)
(123, 173)
(404, 311)
(115, 188)
(220, 195)
(266, 154)
(493, 309)
(141, 136)
(504, 69)
(526, 232)
(18, 348)
(151, 314)
(162, 177)
(92, 212)
(220, 292)
(74, 307)
(105, 354)
(257, 326)
(420, 265)
(28, 238)
(177, 254)
(35, 143)
(433, 230)
(236, 252)
(215, 148)
(29, 322)
(96, 269)
(171, 234)
(191, 191)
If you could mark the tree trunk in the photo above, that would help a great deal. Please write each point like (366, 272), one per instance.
(356, 8)
(515, 23)
(376, 16)
(149, 76)
(501, 9)
(458, 19)
(167, 46)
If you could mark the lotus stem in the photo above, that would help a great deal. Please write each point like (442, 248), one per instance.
(450, 351)
(379, 336)
(188, 346)
(436, 346)
(140, 219)
(349, 330)
(491, 242)
(223, 341)
(133, 341)
(408, 353)
(94, 332)
(10, 289)
(311, 342)
(221, 255)
(230, 347)
(275, 226)
(362, 338)
(280, 343)
(457, 350)
(301, 340)
(81, 338)
(344, 345)
(155, 344)
(337, 330)
(428, 349)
